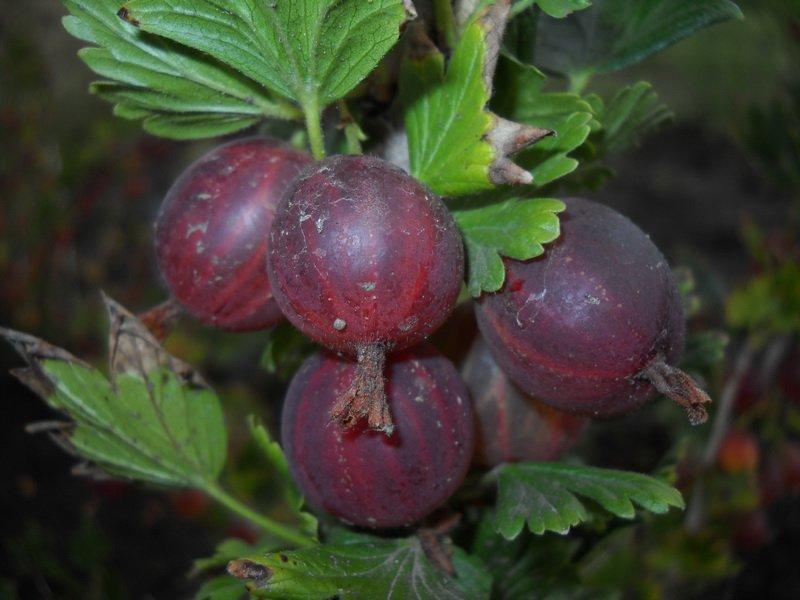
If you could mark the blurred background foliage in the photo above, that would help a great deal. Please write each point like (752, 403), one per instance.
(718, 189)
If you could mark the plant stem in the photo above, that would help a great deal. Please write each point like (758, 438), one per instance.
(313, 115)
(695, 509)
(282, 531)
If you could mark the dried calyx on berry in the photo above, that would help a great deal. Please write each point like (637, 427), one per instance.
(366, 261)
(594, 325)
(364, 477)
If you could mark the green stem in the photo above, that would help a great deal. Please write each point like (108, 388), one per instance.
(314, 126)
(445, 21)
(280, 530)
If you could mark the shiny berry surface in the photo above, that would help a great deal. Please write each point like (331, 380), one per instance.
(365, 477)
(213, 229)
(576, 327)
(512, 426)
(362, 253)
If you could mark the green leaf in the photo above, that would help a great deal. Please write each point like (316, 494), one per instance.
(631, 114)
(613, 34)
(155, 420)
(222, 587)
(704, 350)
(152, 78)
(445, 118)
(769, 304)
(277, 460)
(313, 52)
(362, 566)
(455, 145)
(514, 228)
(285, 350)
(192, 127)
(521, 97)
(545, 495)
(555, 8)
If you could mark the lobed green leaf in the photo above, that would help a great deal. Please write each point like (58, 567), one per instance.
(631, 114)
(514, 228)
(445, 117)
(154, 420)
(521, 97)
(312, 52)
(546, 496)
(157, 80)
(362, 566)
(613, 34)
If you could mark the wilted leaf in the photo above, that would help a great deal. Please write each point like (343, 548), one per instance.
(155, 420)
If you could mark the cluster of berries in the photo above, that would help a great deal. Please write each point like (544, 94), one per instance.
(379, 428)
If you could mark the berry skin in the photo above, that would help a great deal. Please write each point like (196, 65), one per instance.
(511, 426)
(592, 325)
(362, 476)
(212, 232)
(364, 260)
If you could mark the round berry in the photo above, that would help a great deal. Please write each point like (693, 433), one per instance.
(362, 476)
(364, 260)
(592, 325)
(738, 452)
(511, 426)
(212, 232)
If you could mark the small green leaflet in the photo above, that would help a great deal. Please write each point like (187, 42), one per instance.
(514, 228)
(704, 350)
(445, 118)
(555, 8)
(362, 566)
(613, 34)
(277, 460)
(545, 495)
(155, 420)
(529, 567)
(521, 97)
(312, 52)
(768, 304)
(455, 145)
(631, 114)
(284, 350)
(178, 92)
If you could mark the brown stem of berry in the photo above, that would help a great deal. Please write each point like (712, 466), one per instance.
(161, 319)
(678, 387)
(431, 539)
(366, 396)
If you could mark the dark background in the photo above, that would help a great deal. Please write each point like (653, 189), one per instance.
(78, 193)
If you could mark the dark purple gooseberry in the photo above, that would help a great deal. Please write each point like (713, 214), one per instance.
(593, 325)
(512, 426)
(362, 476)
(212, 232)
(364, 260)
